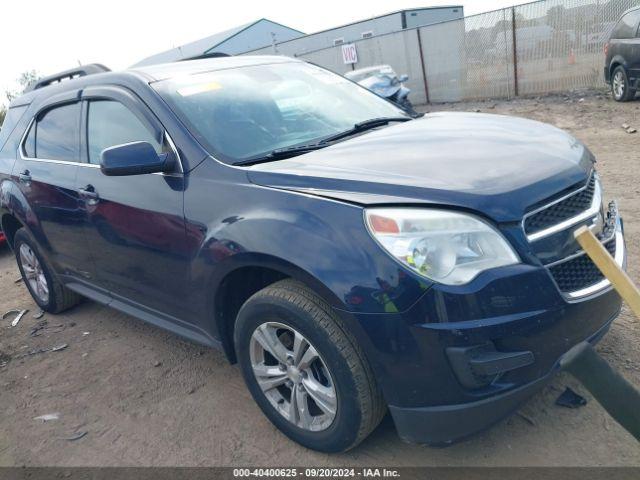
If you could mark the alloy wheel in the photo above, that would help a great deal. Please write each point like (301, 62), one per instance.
(618, 84)
(34, 275)
(293, 376)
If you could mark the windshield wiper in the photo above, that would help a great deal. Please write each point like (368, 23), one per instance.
(288, 152)
(364, 126)
(282, 153)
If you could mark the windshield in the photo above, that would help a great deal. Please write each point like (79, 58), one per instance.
(244, 113)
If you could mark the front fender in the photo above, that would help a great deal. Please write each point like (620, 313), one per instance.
(325, 241)
(618, 60)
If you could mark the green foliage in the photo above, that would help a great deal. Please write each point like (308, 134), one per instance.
(24, 80)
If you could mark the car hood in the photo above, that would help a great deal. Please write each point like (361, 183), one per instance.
(496, 165)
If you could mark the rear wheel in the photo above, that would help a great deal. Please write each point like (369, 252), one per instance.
(620, 86)
(304, 370)
(47, 291)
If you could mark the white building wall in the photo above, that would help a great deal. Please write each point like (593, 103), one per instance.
(374, 26)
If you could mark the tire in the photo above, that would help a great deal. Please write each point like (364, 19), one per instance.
(58, 298)
(288, 308)
(620, 88)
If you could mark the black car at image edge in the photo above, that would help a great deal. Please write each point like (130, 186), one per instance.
(622, 57)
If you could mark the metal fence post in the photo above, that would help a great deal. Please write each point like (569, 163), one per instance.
(424, 68)
(515, 51)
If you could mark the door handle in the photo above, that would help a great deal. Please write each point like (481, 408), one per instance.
(90, 194)
(25, 176)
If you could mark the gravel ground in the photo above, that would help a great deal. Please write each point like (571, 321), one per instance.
(144, 397)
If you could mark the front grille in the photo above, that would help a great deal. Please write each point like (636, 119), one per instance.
(561, 211)
(580, 272)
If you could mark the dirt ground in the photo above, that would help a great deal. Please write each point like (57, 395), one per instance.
(144, 397)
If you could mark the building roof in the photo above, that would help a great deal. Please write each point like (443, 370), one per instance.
(395, 12)
(204, 45)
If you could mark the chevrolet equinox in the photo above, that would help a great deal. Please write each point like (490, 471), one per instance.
(352, 259)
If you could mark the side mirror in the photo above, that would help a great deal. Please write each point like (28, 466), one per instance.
(134, 158)
(403, 78)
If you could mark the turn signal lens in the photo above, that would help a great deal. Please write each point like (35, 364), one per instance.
(380, 224)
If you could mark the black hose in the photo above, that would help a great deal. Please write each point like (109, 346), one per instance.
(616, 395)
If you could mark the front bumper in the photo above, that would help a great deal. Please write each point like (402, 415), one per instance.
(514, 310)
(443, 425)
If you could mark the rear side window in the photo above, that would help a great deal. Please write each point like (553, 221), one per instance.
(8, 138)
(111, 123)
(627, 27)
(56, 134)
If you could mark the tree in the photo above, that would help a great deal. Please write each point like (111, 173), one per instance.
(556, 17)
(24, 80)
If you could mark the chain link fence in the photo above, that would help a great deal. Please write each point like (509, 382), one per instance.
(540, 47)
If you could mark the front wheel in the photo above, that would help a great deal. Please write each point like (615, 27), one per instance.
(620, 86)
(307, 374)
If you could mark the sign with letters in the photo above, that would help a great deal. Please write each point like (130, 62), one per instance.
(349, 54)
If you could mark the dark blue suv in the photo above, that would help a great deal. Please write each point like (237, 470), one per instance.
(352, 259)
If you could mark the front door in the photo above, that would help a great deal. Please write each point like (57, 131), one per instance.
(134, 224)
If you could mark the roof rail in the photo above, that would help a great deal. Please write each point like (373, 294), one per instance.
(81, 71)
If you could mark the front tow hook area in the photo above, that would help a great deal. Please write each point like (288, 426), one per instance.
(479, 365)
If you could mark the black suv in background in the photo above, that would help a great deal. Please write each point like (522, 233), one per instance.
(622, 54)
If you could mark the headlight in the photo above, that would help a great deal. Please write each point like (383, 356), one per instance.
(444, 246)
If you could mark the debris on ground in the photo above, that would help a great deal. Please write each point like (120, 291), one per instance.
(56, 348)
(631, 130)
(4, 359)
(625, 126)
(18, 317)
(570, 399)
(47, 417)
(44, 325)
(40, 326)
(18, 280)
(157, 364)
(527, 418)
(75, 436)
(39, 315)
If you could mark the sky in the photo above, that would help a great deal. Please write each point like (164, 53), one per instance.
(50, 36)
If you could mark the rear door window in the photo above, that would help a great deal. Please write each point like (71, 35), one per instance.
(110, 123)
(627, 27)
(56, 134)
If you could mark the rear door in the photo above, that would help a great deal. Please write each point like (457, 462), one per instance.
(134, 225)
(45, 172)
(634, 57)
(627, 42)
